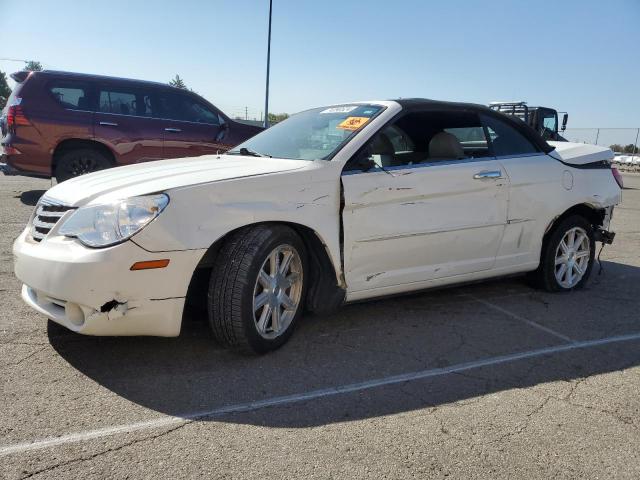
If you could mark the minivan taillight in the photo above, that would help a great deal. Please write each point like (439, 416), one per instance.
(15, 114)
(617, 176)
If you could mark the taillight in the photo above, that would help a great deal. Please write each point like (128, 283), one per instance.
(15, 114)
(617, 176)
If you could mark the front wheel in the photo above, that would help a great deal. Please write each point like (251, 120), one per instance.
(256, 289)
(567, 256)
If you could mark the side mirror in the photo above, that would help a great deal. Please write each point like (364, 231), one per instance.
(363, 160)
(365, 163)
(224, 128)
(565, 117)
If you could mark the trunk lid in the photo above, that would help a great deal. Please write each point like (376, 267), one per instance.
(580, 153)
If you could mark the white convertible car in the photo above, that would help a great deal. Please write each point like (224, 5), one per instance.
(336, 204)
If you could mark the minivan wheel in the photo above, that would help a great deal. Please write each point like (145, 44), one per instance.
(567, 256)
(256, 289)
(73, 163)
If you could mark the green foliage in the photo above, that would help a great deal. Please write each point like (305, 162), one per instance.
(5, 91)
(277, 117)
(33, 66)
(178, 82)
(631, 148)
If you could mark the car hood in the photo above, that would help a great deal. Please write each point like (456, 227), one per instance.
(579, 153)
(146, 178)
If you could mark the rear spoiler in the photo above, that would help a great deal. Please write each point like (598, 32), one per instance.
(20, 76)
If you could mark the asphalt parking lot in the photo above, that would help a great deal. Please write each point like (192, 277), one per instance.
(494, 380)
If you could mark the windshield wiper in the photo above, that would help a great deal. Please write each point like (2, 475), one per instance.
(247, 152)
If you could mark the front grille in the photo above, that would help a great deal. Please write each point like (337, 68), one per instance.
(48, 212)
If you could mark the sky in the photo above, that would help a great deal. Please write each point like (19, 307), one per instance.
(580, 56)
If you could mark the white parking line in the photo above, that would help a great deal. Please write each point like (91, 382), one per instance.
(522, 319)
(302, 397)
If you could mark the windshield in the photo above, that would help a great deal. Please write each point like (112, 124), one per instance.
(310, 135)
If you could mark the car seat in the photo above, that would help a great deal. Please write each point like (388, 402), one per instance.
(382, 150)
(445, 146)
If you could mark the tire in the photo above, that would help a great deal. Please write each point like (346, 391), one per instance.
(554, 277)
(242, 279)
(79, 161)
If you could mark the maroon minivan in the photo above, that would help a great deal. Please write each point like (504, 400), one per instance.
(65, 124)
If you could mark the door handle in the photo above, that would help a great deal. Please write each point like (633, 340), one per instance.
(489, 174)
(173, 130)
(108, 124)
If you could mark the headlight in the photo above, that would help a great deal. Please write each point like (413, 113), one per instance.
(106, 225)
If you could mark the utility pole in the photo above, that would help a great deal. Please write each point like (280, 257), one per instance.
(246, 113)
(266, 95)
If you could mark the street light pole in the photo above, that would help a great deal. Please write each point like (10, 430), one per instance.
(266, 95)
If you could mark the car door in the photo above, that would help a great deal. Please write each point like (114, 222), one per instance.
(124, 121)
(423, 214)
(191, 127)
(537, 185)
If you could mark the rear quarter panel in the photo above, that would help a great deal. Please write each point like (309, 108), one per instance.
(541, 189)
(50, 124)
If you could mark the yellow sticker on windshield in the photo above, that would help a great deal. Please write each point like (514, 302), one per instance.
(352, 123)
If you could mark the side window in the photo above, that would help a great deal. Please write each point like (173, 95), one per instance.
(182, 107)
(120, 102)
(399, 139)
(391, 147)
(505, 139)
(426, 137)
(196, 112)
(549, 125)
(549, 122)
(145, 105)
(124, 101)
(70, 95)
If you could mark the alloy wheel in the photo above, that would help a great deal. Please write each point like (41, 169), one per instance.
(572, 257)
(82, 165)
(278, 291)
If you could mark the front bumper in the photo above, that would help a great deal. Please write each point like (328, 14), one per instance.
(94, 292)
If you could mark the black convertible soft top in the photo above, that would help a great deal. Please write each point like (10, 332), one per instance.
(425, 104)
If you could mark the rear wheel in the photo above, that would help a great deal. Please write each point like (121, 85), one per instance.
(256, 289)
(567, 256)
(73, 163)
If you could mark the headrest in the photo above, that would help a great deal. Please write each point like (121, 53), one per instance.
(445, 145)
(381, 145)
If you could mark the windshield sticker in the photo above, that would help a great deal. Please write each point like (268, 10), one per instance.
(352, 123)
(345, 109)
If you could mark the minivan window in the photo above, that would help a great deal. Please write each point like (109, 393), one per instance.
(70, 96)
(123, 101)
(505, 139)
(187, 109)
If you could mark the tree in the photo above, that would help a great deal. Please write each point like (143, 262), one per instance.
(178, 82)
(631, 148)
(277, 117)
(5, 91)
(33, 66)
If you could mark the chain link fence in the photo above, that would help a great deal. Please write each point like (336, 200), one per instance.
(623, 141)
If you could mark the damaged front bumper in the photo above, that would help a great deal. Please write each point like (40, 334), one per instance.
(94, 292)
